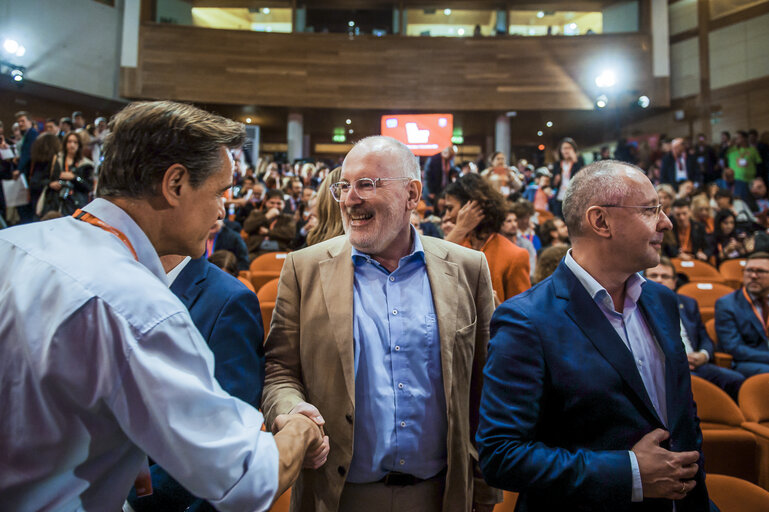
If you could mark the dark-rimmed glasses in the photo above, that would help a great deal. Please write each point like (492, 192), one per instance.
(365, 188)
(651, 211)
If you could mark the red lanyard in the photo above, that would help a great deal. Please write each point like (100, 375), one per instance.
(94, 221)
(755, 310)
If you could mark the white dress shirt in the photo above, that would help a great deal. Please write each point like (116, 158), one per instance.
(631, 327)
(99, 364)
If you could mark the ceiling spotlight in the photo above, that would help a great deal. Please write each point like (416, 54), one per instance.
(447, 12)
(606, 79)
(266, 10)
(644, 101)
(348, 121)
(549, 124)
(461, 31)
(21, 51)
(511, 113)
(350, 131)
(601, 101)
(541, 14)
(17, 75)
(573, 26)
(248, 120)
(11, 45)
(539, 133)
(351, 23)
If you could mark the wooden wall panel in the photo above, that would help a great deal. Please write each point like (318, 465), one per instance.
(333, 70)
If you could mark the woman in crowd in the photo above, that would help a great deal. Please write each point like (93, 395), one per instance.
(564, 170)
(325, 220)
(72, 178)
(227, 261)
(502, 177)
(666, 195)
(549, 259)
(726, 242)
(702, 212)
(43, 151)
(476, 212)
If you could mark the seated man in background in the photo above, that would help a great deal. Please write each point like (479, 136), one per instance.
(227, 315)
(687, 240)
(116, 369)
(269, 229)
(741, 318)
(223, 238)
(698, 345)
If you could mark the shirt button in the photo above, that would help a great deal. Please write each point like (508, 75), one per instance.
(395, 311)
(401, 462)
(397, 348)
(403, 423)
(400, 385)
(392, 278)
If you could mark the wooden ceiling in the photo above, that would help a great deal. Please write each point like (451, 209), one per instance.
(577, 5)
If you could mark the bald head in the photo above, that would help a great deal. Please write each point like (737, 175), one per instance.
(605, 182)
(380, 144)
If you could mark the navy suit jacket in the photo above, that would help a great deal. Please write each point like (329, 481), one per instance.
(695, 329)
(738, 188)
(668, 169)
(739, 331)
(230, 240)
(563, 401)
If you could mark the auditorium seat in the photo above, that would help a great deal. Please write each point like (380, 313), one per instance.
(732, 270)
(754, 403)
(265, 268)
(543, 215)
(282, 503)
(728, 448)
(698, 271)
(734, 495)
(706, 295)
(267, 295)
(721, 359)
(508, 504)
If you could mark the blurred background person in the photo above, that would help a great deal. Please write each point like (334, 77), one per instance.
(726, 242)
(71, 180)
(569, 163)
(325, 219)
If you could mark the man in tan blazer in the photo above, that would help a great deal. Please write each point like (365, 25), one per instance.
(380, 335)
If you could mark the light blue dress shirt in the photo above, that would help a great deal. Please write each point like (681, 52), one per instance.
(400, 407)
(631, 327)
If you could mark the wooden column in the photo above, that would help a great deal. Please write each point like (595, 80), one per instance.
(703, 26)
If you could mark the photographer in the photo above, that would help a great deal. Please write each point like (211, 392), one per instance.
(727, 242)
(71, 178)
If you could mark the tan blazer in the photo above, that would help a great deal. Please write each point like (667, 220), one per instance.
(310, 358)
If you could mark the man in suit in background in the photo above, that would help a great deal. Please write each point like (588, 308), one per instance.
(741, 318)
(587, 400)
(698, 345)
(438, 172)
(221, 238)
(227, 315)
(381, 336)
(678, 165)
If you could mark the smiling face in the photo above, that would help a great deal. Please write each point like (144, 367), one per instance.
(499, 160)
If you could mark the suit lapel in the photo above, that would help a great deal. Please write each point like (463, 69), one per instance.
(188, 284)
(444, 282)
(336, 280)
(590, 319)
(748, 307)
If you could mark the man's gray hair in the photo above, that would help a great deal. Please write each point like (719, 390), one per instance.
(600, 183)
(380, 143)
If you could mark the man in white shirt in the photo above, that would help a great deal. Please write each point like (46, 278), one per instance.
(100, 363)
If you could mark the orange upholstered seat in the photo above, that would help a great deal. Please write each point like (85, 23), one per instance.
(754, 403)
(734, 495)
(698, 271)
(731, 270)
(266, 268)
(267, 295)
(706, 295)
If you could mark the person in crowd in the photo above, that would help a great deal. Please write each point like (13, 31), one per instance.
(697, 343)
(758, 200)
(502, 177)
(71, 180)
(100, 132)
(226, 261)
(78, 121)
(763, 152)
(328, 219)
(685, 189)
(478, 211)
(703, 213)
(51, 126)
(736, 188)
(726, 242)
(24, 159)
(269, 229)
(438, 172)
(706, 159)
(548, 261)
(666, 195)
(605, 153)
(524, 211)
(678, 165)
(724, 144)
(553, 232)
(221, 237)
(743, 158)
(509, 230)
(65, 126)
(292, 194)
(726, 201)
(397, 297)
(44, 150)
(227, 315)
(741, 318)
(608, 421)
(569, 163)
(688, 239)
(249, 198)
(539, 192)
(118, 358)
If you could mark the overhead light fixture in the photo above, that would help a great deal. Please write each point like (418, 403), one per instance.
(541, 14)
(447, 12)
(573, 26)
(606, 79)
(11, 45)
(348, 121)
(511, 113)
(461, 31)
(351, 23)
(350, 131)
(541, 147)
(644, 101)
(266, 10)
(17, 75)
(549, 124)
(248, 120)
(601, 101)
(539, 133)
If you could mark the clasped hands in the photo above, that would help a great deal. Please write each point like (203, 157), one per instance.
(316, 455)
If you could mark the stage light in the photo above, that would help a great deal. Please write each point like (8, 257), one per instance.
(447, 12)
(461, 31)
(248, 120)
(606, 79)
(601, 101)
(350, 23)
(539, 133)
(17, 75)
(541, 14)
(11, 45)
(644, 101)
(266, 10)
(549, 124)
(348, 121)
(541, 147)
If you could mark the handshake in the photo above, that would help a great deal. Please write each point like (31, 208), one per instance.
(301, 443)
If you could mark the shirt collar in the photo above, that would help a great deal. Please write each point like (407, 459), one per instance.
(116, 217)
(633, 285)
(174, 273)
(417, 252)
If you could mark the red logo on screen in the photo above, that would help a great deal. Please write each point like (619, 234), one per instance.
(424, 134)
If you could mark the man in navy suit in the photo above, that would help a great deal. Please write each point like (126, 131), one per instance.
(228, 317)
(698, 345)
(587, 400)
(741, 318)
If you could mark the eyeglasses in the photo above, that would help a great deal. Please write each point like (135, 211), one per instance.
(757, 271)
(365, 188)
(651, 211)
